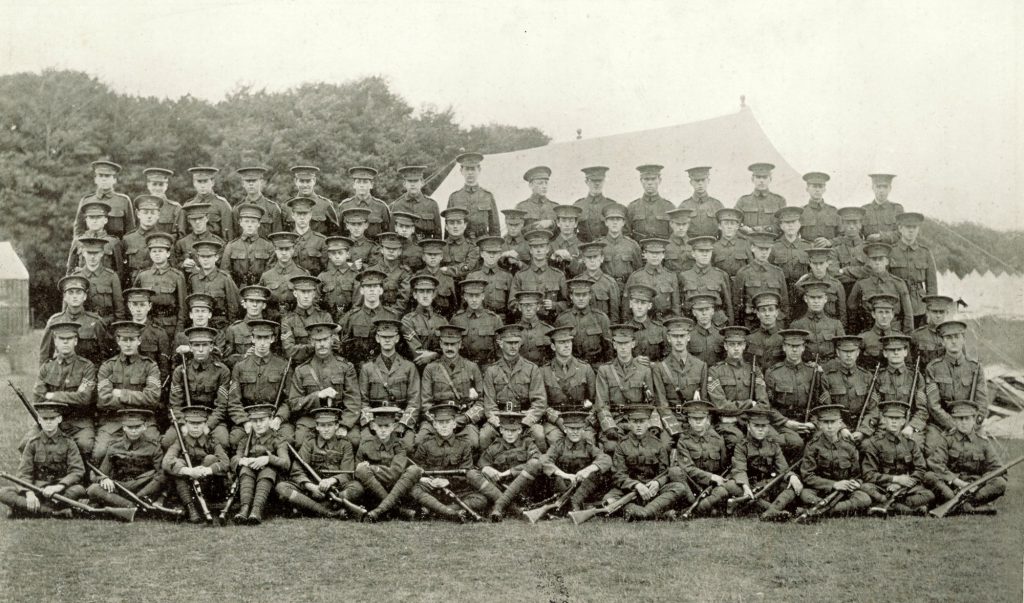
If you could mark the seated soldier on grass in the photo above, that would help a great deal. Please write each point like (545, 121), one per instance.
(513, 458)
(895, 471)
(209, 461)
(575, 462)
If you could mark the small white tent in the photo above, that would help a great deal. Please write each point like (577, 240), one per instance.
(14, 306)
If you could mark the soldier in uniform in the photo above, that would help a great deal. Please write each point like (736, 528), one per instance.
(759, 207)
(832, 464)
(133, 460)
(413, 201)
(705, 278)
(568, 384)
(379, 218)
(883, 309)
(654, 275)
(789, 384)
(396, 274)
(879, 281)
(326, 450)
(221, 220)
(277, 278)
(835, 304)
(269, 215)
(262, 377)
(539, 276)
(622, 255)
(759, 276)
(592, 226)
(894, 466)
(390, 380)
(209, 459)
(324, 381)
(912, 261)
(127, 380)
(453, 378)
(420, 326)
(155, 344)
(880, 214)
(338, 280)
(364, 251)
(927, 341)
(157, 181)
(756, 460)
(735, 385)
(515, 251)
(575, 461)
(209, 387)
(703, 207)
(215, 282)
(536, 346)
(621, 383)
(895, 380)
(703, 457)
(964, 455)
(651, 341)
(952, 377)
(647, 215)
(498, 280)
(731, 252)
(310, 245)
(678, 254)
(605, 292)
(566, 246)
(461, 254)
(446, 300)
(50, 460)
(540, 211)
(323, 217)
(790, 250)
(513, 458)
(69, 380)
(248, 256)
(236, 341)
(296, 339)
(706, 341)
(105, 298)
(356, 327)
(136, 254)
(112, 257)
(821, 327)
(382, 464)
(94, 342)
(445, 451)
(200, 311)
(478, 201)
(851, 263)
(405, 227)
(513, 384)
(847, 386)
(764, 341)
(121, 218)
(820, 220)
(680, 377)
(259, 461)
(641, 463)
(480, 324)
(590, 326)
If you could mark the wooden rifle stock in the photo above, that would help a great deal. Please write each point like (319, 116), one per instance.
(121, 514)
(810, 390)
(960, 497)
(867, 397)
(535, 514)
(135, 498)
(311, 472)
(583, 515)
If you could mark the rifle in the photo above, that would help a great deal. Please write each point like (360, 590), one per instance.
(311, 472)
(535, 514)
(455, 498)
(913, 384)
(871, 389)
(181, 441)
(821, 506)
(125, 515)
(583, 515)
(753, 377)
(435, 473)
(233, 490)
(960, 497)
(974, 383)
(702, 390)
(883, 509)
(701, 496)
(28, 405)
(810, 390)
(152, 507)
(732, 503)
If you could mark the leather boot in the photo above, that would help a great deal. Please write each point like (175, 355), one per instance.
(634, 512)
(405, 482)
(521, 481)
(717, 494)
(438, 508)
(851, 504)
(246, 485)
(259, 499)
(184, 490)
(582, 493)
(300, 500)
(666, 498)
(776, 511)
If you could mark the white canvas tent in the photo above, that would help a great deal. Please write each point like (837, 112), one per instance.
(728, 144)
(986, 294)
(14, 306)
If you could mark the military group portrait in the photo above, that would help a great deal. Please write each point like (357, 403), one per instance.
(413, 359)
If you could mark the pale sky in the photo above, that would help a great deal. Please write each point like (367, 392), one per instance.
(928, 90)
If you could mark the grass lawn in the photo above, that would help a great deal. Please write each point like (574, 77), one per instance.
(861, 559)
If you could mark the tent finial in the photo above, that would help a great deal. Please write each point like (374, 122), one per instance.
(743, 101)
(579, 133)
